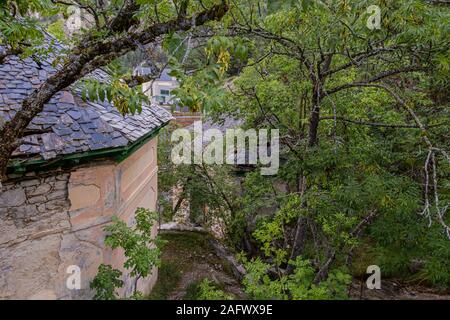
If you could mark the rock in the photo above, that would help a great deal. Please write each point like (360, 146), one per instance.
(12, 198)
(56, 204)
(30, 183)
(50, 179)
(30, 174)
(60, 185)
(42, 189)
(37, 199)
(15, 175)
(25, 212)
(59, 194)
(62, 177)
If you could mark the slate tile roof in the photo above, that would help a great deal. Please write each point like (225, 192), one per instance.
(146, 70)
(165, 75)
(67, 124)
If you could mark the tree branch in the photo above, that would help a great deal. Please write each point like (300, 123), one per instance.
(376, 78)
(88, 56)
(377, 124)
(357, 59)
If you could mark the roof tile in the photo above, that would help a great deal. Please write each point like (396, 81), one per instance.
(75, 126)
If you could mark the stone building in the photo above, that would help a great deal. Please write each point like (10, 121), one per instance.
(79, 164)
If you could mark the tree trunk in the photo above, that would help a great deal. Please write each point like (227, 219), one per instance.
(315, 115)
(299, 241)
(300, 230)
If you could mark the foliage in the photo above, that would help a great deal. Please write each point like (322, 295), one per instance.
(297, 286)
(186, 254)
(405, 248)
(23, 22)
(203, 185)
(127, 100)
(56, 29)
(169, 274)
(359, 183)
(206, 290)
(209, 292)
(140, 248)
(142, 252)
(14, 31)
(106, 282)
(202, 91)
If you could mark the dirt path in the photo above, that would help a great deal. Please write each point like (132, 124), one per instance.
(187, 259)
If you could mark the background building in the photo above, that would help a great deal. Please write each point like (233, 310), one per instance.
(160, 91)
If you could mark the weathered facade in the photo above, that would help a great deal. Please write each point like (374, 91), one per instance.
(80, 163)
(50, 221)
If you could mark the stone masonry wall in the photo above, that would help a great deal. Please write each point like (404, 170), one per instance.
(33, 218)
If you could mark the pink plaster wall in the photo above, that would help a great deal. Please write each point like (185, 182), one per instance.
(99, 192)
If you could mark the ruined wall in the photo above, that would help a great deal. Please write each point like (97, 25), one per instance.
(33, 219)
(48, 223)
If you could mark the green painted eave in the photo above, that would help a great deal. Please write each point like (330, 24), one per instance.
(70, 160)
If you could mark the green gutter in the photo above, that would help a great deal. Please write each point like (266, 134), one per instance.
(117, 154)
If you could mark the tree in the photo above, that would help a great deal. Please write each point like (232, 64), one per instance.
(362, 122)
(120, 27)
